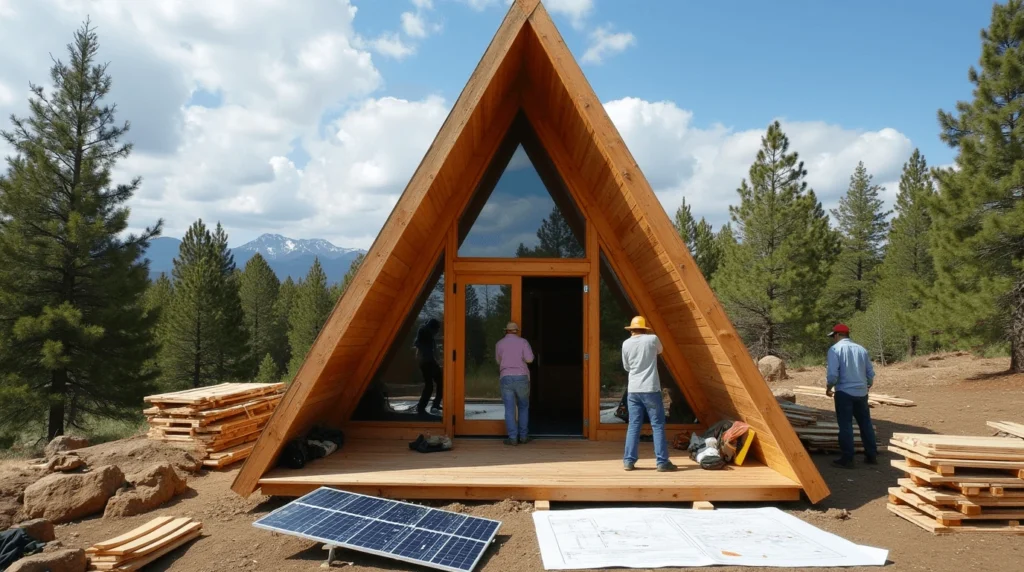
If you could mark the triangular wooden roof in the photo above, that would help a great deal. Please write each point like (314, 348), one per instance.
(528, 69)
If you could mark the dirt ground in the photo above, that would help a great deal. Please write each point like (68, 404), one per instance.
(954, 395)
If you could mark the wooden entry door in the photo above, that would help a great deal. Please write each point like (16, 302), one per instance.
(485, 305)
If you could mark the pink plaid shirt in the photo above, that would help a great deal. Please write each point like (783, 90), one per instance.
(513, 353)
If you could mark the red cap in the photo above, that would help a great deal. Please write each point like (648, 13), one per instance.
(840, 329)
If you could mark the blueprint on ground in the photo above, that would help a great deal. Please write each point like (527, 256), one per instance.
(660, 537)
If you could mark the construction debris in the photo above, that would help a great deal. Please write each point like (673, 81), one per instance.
(873, 398)
(817, 428)
(223, 420)
(957, 484)
(133, 550)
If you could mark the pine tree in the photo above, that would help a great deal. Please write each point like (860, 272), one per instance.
(231, 338)
(700, 239)
(191, 327)
(268, 372)
(311, 308)
(862, 229)
(283, 312)
(258, 290)
(555, 239)
(907, 272)
(75, 336)
(978, 240)
(777, 258)
(350, 275)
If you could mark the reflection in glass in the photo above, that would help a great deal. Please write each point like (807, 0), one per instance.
(616, 312)
(488, 310)
(522, 217)
(401, 380)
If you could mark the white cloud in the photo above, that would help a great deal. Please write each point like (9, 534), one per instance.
(707, 164)
(392, 46)
(287, 75)
(413, 25)
(604, 43)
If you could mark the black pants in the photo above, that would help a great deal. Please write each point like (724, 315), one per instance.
(431, 378)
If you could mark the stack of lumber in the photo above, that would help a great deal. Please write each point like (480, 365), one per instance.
(817, 428)
(137, 548)
(223, 421)
(956, 484)
(873, 398)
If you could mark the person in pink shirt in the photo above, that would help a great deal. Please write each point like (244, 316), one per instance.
(513, 353)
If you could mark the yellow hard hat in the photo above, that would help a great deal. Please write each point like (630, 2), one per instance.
(637, 323)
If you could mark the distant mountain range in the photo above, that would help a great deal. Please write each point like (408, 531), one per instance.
(286, 256)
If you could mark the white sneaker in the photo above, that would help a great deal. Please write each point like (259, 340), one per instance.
(435, 411)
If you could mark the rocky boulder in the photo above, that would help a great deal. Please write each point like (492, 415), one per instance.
(782, 394)
(150, 489)
(38, 528)
(57, 561)
(63, 443)
(772, 368)
(63, 497)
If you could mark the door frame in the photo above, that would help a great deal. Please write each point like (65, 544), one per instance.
(462, 426)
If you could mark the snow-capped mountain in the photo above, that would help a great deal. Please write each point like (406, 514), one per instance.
(288, 257)
(277, 247)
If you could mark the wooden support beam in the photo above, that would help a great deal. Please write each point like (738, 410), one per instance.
(703, 505)
(541, 505)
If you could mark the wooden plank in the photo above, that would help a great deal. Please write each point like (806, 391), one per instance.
(541, 505)
(1009, 427)
(523, 266)
(131, 534)
(703, 505)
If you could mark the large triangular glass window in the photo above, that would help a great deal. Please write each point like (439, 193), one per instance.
(408, 384)
(521, 209)
(616, 312)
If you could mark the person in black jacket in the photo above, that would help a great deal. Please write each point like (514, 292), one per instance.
(425, 350)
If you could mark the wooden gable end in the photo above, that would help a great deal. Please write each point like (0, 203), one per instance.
(527, 69)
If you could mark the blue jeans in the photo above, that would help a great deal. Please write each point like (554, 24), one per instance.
(849, 408)
(515, 393)
(638, 403)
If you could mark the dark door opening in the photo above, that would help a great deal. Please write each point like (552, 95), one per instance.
(553, 324)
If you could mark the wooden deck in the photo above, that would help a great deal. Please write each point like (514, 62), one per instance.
(479, 469)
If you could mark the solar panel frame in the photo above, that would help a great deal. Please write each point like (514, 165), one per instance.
(444, 549)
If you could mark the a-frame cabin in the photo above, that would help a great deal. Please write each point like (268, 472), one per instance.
(529, 208)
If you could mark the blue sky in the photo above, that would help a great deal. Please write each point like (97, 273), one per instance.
(307, 119)
(864, 65)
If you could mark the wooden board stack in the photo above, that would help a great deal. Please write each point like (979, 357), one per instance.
(137, 548)
(817, 428)
(873, 398)
(1007, 428)
(957, 484)
(222, 420)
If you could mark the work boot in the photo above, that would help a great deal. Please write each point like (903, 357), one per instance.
(525, 440)
(870, 460)
(628, 466)
(512, 442)
(843, 463)
(666, 467)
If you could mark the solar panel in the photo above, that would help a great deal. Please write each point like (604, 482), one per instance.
(393, 529)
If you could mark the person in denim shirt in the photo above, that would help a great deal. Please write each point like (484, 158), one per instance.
(849, 377)
(513, 353)
(640, 359)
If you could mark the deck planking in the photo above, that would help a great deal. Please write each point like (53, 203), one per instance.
(553, 470)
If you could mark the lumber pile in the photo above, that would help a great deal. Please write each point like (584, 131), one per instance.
(873, 398)
(959, 484)
(817, 428)
(137, 548)
(223, 421)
